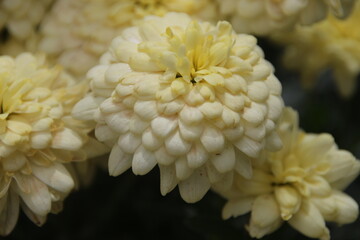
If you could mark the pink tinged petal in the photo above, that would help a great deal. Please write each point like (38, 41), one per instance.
(38, 198)
(225, 160)
(191, 115)
(150, 141)
(211, 110)
(238, 207)
(10, 213)
(67, 139)
(137, 125)
(119, 161)
(197, 156)
(309, 221)
(13, 162)
(55, 176)
(40, 140)
(233, 134)
(129, 142)
(104, 133)
(163, 157)
(265, 216)
(183, 171)
(195, 187)
(86, 107)
(275, 106)
(347, 208)
(168, 179)
(176, 145)
(146, 110)
(163, 126)
(190, 132)
(37, 219)
(289, 201)
(213, 140)
(109, 106)
(119, 122)
(243, 165)
(248, 146)
(143, 161)
(171, 108)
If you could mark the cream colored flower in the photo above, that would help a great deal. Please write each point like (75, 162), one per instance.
(187, 96)
(333, 44)
(301, 184)
(38, 137)
(21, 17)
(263, 17)
(76, 33)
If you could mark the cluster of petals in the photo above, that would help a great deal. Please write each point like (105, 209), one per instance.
(301, 184)
(196, 99)
(77, 33)
(21, 17)
(263, 17)
(38, 137)
(333, 44)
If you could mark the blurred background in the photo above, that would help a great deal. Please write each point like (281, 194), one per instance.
(131, 207)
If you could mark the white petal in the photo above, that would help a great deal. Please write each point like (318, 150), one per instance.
(213, 140)
(143, 161)
(275, 107)
(195, 187)
(254, 114)
(67, 139)
(197, 155)
(224, 183)
(243, 165)
(13, 162)
(191, 115)
(104, 133)
(183, 171)
(146, 110)
(37, 219)
(235, 208)
(234, 133)
(177, 146)
(40, 140)
(225, 160)
(55, 176)
(190, 132)
(249, 147)
(129, 142)
(109, 106)
(168, 180)
(163, 157)
(162, 126)
(137, 125)
(86, 107)
(258, 91)
(309, 221)
(119, 122)
(150, 141)
(273, 142)
(256, 133)
(9, 215)
(119, 161)
(347, 208)
(211, 110)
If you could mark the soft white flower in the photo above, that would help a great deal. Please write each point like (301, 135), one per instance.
(38, 137)
(300, 184)
(21, 17)
(195, 99)
(76, 33)
(263, 17)
(331, 44)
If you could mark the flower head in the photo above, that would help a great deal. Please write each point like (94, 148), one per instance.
(77, 33)
(301, 184)
(263, 17)
(195, 99)
(37, 138)
(333, 44)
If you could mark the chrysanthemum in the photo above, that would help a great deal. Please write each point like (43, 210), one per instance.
(193, 98)
(333, 44)
(21, 17)
(38, 137)
(76, 33)
(263, 17)
(301, 184)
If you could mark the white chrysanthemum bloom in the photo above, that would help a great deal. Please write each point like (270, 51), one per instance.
(37, 137)
(195, 99)
(301, 184)
(21, 17)
(77, 33)
(263, 17)
(333, 44)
